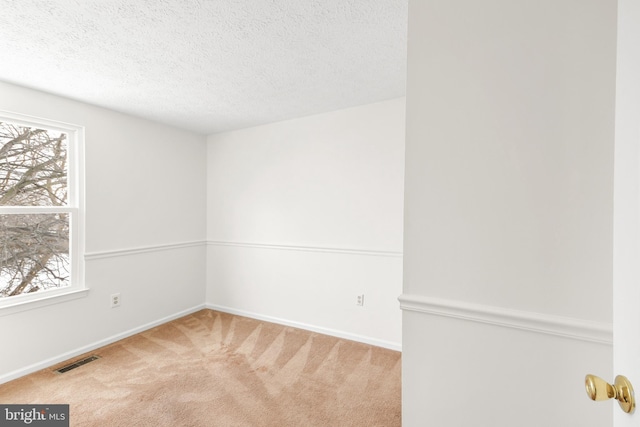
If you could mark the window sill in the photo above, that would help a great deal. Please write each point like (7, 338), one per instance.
(43, 301)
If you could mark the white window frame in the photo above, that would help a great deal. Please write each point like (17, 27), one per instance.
(75, 208)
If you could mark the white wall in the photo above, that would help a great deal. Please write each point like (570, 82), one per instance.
(508, 211)
(145, 232)
(304, 215)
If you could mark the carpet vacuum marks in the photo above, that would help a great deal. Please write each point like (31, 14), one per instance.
(216, 369)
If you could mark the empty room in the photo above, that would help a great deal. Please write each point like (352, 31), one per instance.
(319, 213)
(222, 227)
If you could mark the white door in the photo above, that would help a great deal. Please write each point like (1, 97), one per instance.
(626, 280)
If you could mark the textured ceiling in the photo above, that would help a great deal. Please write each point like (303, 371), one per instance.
(208, 65)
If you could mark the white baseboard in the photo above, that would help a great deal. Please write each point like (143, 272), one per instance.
(77, 352)
(326, 331)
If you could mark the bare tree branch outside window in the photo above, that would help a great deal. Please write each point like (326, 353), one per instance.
(34, 247)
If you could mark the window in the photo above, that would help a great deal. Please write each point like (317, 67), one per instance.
(41, 209)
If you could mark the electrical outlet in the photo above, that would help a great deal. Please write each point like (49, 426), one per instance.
(115, 300)
(360, 300)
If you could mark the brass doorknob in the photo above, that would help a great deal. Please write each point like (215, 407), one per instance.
(598, 389)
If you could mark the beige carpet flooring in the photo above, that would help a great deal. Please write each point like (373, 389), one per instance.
(217, 369)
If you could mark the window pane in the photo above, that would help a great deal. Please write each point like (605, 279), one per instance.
(34, 253)
(33, 166)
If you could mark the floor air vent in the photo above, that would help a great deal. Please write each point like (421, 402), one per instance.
(76, 364)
